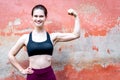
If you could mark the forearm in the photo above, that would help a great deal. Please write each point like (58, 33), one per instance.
(77, 26)
(14, 62)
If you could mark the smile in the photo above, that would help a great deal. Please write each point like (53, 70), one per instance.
(38, 22)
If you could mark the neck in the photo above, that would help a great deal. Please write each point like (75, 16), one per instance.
(39, 29)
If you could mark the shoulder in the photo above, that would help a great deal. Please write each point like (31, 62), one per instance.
(24, 38)
(54, 35)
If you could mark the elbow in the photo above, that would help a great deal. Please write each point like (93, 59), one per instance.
(77, 35)
(10, 57)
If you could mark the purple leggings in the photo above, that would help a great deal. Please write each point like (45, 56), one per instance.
(42, 74)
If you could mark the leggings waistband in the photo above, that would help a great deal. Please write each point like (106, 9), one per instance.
(43, 70)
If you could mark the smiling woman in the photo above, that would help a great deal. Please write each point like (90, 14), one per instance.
(39, 13)
(40, 45)
(39, 19)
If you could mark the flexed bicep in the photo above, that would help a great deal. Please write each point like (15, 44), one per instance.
(64, 37)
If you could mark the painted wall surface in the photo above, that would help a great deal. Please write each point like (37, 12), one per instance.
(94, 56)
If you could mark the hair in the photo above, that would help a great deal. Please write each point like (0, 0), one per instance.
(42, 7)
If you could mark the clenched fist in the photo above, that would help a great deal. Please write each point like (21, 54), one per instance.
(72, 12)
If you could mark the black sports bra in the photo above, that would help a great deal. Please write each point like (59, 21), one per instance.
(39, 48)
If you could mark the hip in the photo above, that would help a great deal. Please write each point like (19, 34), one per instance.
(42, 74)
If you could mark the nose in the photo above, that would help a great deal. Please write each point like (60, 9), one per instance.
(38, 18)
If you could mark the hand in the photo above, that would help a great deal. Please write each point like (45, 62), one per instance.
(27, 71)
(72, 12)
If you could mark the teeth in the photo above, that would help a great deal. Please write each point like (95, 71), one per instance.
(39, 22)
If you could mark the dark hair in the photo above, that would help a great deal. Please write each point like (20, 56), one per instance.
(42, 7)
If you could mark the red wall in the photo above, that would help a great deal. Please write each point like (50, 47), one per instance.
(95, 56)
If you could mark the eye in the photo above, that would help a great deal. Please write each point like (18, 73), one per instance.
(41, 16)
(35, 16)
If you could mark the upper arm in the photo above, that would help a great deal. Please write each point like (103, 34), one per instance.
(63, 37)
(19, 44)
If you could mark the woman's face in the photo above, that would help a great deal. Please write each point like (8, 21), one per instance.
(39, 17)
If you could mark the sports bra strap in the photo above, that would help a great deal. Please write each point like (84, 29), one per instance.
(48, 36)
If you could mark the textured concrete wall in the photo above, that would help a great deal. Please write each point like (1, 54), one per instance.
(94, 56)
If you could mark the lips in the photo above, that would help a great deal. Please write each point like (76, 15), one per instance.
(38, 22)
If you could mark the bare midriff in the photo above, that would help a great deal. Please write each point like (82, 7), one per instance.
(40, 61)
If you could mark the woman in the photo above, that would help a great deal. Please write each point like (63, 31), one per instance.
(39, 44)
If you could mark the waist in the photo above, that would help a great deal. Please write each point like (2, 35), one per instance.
(46, 68)
(40, 61)
(46, 71)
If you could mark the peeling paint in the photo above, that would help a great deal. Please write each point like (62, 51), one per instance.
(17, 22)
(95, 73)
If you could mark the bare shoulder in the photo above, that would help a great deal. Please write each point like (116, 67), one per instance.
(24, 38)
(53, 36)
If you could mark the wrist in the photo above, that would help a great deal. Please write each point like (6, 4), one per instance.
(75, 15)
(21, 70)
